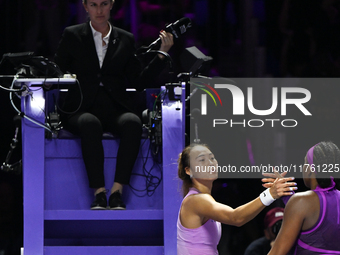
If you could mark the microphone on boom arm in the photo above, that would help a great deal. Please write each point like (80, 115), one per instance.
(177, 28)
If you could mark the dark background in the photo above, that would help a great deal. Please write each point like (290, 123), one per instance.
(246, 38)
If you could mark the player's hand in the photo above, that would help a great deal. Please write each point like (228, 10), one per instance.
(268, 182)
(282, 187)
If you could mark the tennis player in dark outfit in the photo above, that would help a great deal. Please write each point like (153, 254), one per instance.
(102, 57)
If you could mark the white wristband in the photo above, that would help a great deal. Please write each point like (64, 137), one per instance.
(266, 197)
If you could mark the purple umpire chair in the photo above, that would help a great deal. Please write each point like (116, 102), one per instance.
(57, 218)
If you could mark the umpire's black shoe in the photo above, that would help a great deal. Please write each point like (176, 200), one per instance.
(100, 203)
(116, 202)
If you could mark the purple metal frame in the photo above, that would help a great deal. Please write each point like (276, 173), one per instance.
(57, 219)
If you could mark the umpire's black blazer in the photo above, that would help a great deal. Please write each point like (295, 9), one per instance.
(77, 54)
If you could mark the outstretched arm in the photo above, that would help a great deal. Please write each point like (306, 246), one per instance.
(207, 207)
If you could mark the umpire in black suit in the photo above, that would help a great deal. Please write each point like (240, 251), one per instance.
(102, 57)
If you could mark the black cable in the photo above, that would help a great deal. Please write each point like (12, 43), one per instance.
(142, 175)
(43, 110)
(167, 56)
(150, 177)
(23, 114)
(2, 59)
(151, 181)
(81, 100)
